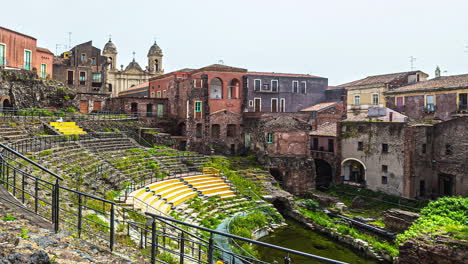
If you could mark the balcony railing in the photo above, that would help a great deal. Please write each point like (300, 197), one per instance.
(430, 108)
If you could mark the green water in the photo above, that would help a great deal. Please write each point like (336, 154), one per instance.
(295, 236)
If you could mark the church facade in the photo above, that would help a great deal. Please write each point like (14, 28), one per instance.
(118, 80)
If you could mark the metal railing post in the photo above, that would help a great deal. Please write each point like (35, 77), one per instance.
(80, 214)
(182, 248)
(36, 195)
(57, 206)
(112, 227)
(210, 249)
(154, 238)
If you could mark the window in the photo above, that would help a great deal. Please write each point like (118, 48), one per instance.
(315, 143)
(295, 86)
(257, 104)
(384, 168)
(27, 59)
(251, 103)
(152, 94)
(375, 99)
(384, 179)
(448, 149)
(97, 77)
(199, 131)
(384, 148)
(274, 105)
(93, 61)
(158, 94)
(282, 107)
(83, 57)
(164, 94)
(274, 85)
(270, 138)
(198, 106)
(360, 146)
(2, 54)
(303, 87)
(430, 103)
(400, 101)
(422, 188)
(198, 83)
(43, 71)
(357, 100)
(331, 145)
(257, 85)
(424, 146)
(82, 78)
(70, 77)
(231, 130)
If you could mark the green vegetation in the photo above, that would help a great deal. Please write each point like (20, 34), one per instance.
(45, 153)
(245, 187)
(96, 223)
(447, 216)
(24, 233)
(322, 219)
(9, 217)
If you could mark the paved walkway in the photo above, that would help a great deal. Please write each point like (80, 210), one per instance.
(8, 204)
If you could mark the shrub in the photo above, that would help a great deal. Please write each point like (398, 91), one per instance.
(70, 110)
(311, 204)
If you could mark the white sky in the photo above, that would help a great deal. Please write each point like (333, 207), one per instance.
(342, 40)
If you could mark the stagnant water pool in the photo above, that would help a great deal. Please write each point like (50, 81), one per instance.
(297, 237)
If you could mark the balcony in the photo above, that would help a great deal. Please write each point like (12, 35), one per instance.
(430, 108)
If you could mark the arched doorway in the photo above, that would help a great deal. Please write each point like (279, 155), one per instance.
(323, 174)
(233, 89)
(181, 129)
(216, 88)
(6, 104)
(354, 171)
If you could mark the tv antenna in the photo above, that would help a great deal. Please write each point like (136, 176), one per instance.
(412, 60)
(221, 62)
(69, 40)
(61, 47)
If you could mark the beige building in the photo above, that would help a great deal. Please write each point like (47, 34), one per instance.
(369, 92)
(118, 80)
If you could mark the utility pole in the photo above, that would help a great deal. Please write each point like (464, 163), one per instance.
(412, 60)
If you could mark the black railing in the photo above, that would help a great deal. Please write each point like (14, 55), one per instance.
(96, 219)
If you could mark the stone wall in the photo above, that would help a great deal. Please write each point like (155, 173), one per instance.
(397, 220)
(441, 251)
(24, 91)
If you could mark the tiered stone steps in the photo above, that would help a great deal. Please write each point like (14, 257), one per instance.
(10, 133)
(67, 128)
(210, 185)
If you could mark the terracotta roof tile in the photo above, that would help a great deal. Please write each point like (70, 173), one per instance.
(447, 82)
(283, 74)
(44, 50)
(326, 129)
(320, 106)
(141, 85)
(379, 79)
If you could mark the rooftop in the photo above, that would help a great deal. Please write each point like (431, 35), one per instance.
(326, 129)
(380, 79)
(44, 50)
(141, 85)
(443, 82)
(283, 74)
(320, 106)
(16, 32)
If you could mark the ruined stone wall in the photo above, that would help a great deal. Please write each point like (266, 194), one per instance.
(450, 155)
(24, 90)
(296, 173)
(441, 251)
(373, 135)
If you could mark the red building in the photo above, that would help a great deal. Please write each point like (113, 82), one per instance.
(207, 104)
(18, 50)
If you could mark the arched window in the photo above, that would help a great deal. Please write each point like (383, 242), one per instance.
(216, 89)
(156, 65)
(233, 89)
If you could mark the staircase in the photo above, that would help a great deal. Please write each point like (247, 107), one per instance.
(67, 128)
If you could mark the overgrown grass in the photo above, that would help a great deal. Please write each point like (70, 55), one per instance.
(376, 243)
(446, 216)
(244, 186)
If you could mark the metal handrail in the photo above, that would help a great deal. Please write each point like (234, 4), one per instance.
(259, 243)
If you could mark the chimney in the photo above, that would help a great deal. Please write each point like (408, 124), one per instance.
(437, 72)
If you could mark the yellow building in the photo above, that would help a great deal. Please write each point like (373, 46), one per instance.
(369, 92)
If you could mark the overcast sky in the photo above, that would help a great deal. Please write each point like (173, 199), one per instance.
(342, 40)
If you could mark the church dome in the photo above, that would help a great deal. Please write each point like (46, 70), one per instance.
(133, 66)
(109, 48)
(155, 50)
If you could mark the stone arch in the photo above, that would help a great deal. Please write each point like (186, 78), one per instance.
(353, 170)
(323, 174)
(5, 102)
(216, 88)
(233, 89)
